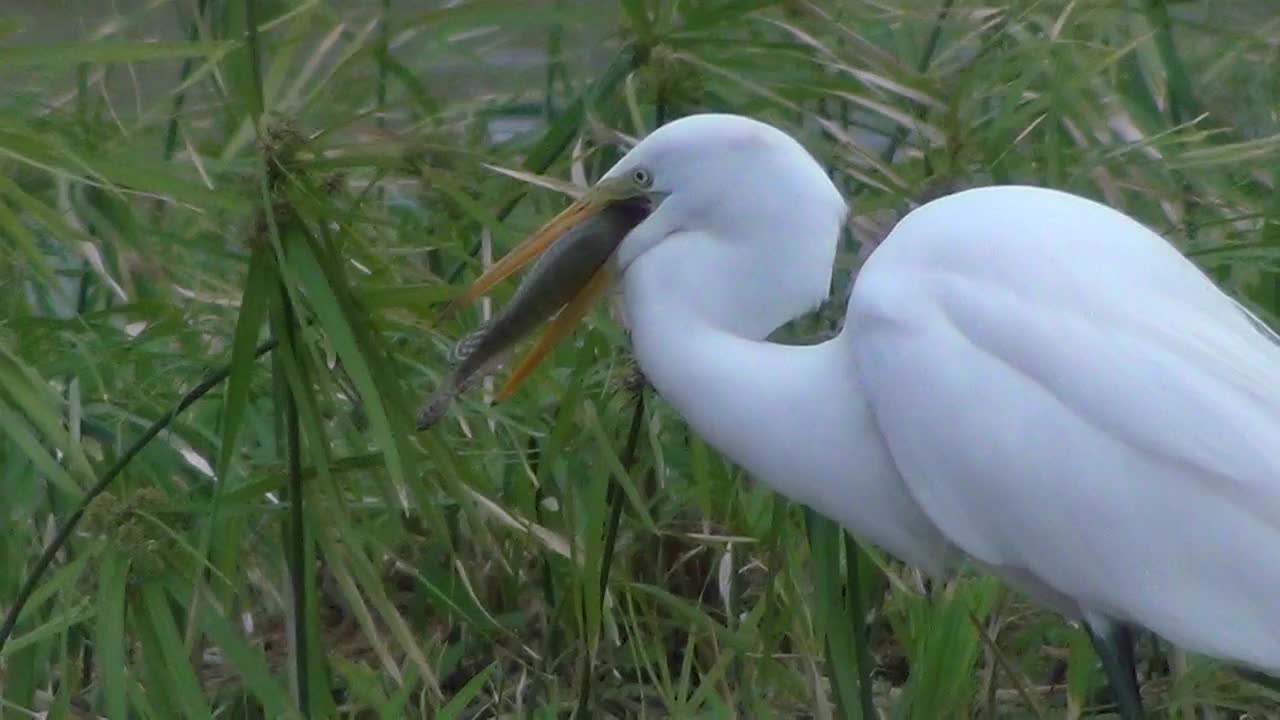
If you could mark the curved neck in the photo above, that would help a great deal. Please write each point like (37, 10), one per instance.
(730, 285)
(794, 417)
(732, 390)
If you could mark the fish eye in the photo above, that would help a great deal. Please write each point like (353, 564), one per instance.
(642, 177)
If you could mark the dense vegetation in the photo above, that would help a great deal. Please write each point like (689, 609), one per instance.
(229, 227)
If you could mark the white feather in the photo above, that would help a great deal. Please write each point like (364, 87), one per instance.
(1025, 375)
(1068, 397)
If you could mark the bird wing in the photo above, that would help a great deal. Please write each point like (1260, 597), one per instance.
(1067, 397)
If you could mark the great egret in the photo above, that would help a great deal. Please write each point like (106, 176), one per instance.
(1025, 377)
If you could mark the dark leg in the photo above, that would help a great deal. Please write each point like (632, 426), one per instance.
(1114, 645)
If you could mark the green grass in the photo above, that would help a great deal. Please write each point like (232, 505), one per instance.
(228, 228)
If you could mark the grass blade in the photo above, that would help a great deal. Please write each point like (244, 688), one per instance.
(46, 558)
(107, 51)
(834, 621)
(180, 678)
(109, 640)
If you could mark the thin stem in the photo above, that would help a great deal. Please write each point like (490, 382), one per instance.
(615, 499)
(662, 101)
(1181, 102)
(384, 45)
(1003, 663)
(64, 533)
(180, 97)
(853, 586)
(295, 529)
(551, 647)
(257, 97)
(930, 47)
(555, 61)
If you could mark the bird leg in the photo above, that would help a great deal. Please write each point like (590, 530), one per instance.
(1114, 645)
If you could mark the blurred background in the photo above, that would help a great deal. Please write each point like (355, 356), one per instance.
(227, 232)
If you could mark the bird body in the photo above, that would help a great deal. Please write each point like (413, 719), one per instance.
(1071, 400)
(1025, 378)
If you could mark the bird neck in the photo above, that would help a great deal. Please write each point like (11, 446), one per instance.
(794, 417)
(747, 284)
(761, 404)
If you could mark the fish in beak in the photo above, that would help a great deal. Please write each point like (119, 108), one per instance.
(574, 267)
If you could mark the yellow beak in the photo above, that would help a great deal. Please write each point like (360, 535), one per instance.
(574, 251)
(529, 250)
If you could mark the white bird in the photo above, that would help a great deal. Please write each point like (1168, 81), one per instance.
(1025, 378)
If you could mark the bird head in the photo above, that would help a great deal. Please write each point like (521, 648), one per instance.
(736, 220)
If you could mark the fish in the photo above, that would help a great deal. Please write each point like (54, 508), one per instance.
(547, 287)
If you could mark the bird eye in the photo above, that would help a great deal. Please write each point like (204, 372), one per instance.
(642, 177)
